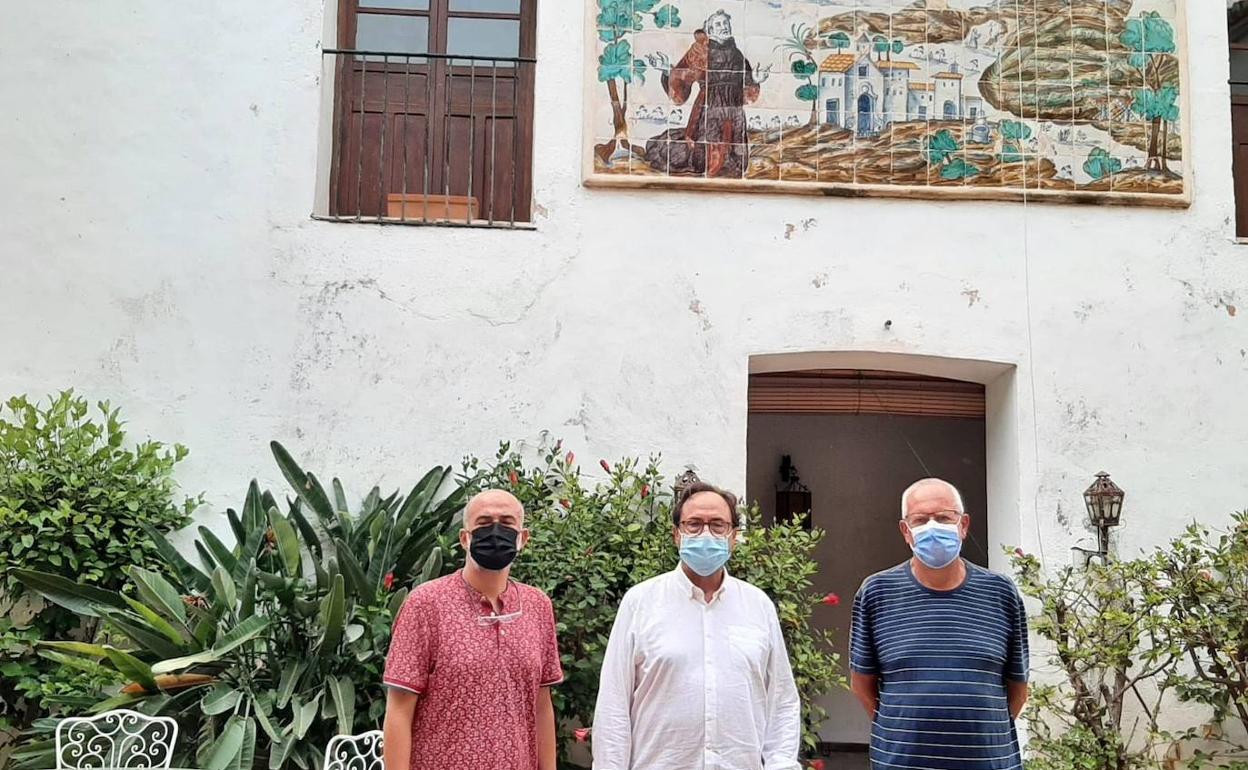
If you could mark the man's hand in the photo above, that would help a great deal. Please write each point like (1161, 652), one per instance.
(867, 689)
(1017, 697)
(761, 74)
(659, 61)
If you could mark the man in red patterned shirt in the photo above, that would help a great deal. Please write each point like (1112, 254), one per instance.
(473, 658)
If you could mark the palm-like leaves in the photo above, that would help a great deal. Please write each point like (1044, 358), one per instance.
(264, 638)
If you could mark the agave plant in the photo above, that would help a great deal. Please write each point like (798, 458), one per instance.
(265, 649)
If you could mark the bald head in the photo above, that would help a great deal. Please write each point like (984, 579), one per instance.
(931, 495)
(494, 505)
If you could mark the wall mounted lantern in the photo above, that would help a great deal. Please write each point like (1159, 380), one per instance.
(793, 498)
(1104, 503)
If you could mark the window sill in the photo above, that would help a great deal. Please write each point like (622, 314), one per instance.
(477, 224)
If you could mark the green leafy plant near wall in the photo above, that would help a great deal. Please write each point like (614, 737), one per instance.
(1126, 637)
(266, 649)
(1203, 579)
(74, 502)
(594, 537)
(1105, 628)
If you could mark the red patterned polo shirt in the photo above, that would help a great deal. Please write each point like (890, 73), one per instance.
(478, 673)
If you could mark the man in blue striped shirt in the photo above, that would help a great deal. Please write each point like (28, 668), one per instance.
(938, 649)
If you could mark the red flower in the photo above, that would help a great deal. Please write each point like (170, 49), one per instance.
(831, 600)
(581, 734)
(388, 581)
(816, 764)
(511, 476)
(645, 491)
(606, 466)
(571, 458)
(1019, 553)
(566, 503)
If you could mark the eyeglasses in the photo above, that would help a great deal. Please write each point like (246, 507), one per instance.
(716, 527)
(942, 517)
(487, 620)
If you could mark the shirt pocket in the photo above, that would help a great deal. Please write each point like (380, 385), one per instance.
(750, 646)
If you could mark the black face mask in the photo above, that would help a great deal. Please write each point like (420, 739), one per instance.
(493, 546)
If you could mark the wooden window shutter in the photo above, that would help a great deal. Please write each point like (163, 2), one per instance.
(839, 391)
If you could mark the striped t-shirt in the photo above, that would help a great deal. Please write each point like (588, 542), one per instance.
(943, 659)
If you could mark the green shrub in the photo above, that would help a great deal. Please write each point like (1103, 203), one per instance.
(73, 502)
(1204, 583)
(593, 540)
(1127, 634)
(1104, 625)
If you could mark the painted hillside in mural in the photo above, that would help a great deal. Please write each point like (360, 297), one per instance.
(1076, 97)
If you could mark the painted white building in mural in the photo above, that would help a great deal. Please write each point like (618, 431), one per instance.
(863, 92)
(175, 239)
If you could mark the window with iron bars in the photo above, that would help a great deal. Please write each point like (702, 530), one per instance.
(433, 112)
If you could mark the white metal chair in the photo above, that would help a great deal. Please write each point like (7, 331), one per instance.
(115, 739)
(354, 752)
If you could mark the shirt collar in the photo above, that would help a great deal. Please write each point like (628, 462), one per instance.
(687, 588)
(510, 598)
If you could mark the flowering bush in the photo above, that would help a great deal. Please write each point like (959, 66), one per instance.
(594, 537)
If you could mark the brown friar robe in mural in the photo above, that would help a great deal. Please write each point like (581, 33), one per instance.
(713, 143)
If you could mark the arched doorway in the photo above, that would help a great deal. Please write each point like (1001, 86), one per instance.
(951, 110)
(860, 426)
(866, 111)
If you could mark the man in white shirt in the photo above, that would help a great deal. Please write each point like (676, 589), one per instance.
(696, 675)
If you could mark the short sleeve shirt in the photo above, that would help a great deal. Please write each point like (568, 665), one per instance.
(478, 673)
(942, 659)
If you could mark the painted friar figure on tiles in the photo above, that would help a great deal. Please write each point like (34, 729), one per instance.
(713, 143)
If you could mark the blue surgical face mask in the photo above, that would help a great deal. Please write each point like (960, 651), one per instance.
(937, 545)
(705, 554)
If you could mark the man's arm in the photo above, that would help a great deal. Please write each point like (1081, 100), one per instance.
(545, 730)
(864, 665)
(1017, 694)
(866, 688)
(1019, 664)
(782, 741)
(612, 733)
(400, 710)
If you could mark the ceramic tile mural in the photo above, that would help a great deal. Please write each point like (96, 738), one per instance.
(1071, 99)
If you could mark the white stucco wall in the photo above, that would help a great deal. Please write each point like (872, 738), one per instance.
(160, 162)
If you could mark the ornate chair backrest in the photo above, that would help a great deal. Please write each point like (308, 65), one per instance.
(115, 739)
(355, 752)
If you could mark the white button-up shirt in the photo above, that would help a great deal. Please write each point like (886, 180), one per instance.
(694, 685)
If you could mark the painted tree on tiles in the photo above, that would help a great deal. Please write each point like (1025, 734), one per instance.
(1100, 164)
(617, 65)
(885, 48)
(941, 149)
(837, 40)
(1013, 134)
(803, 65)
(1151, 41)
